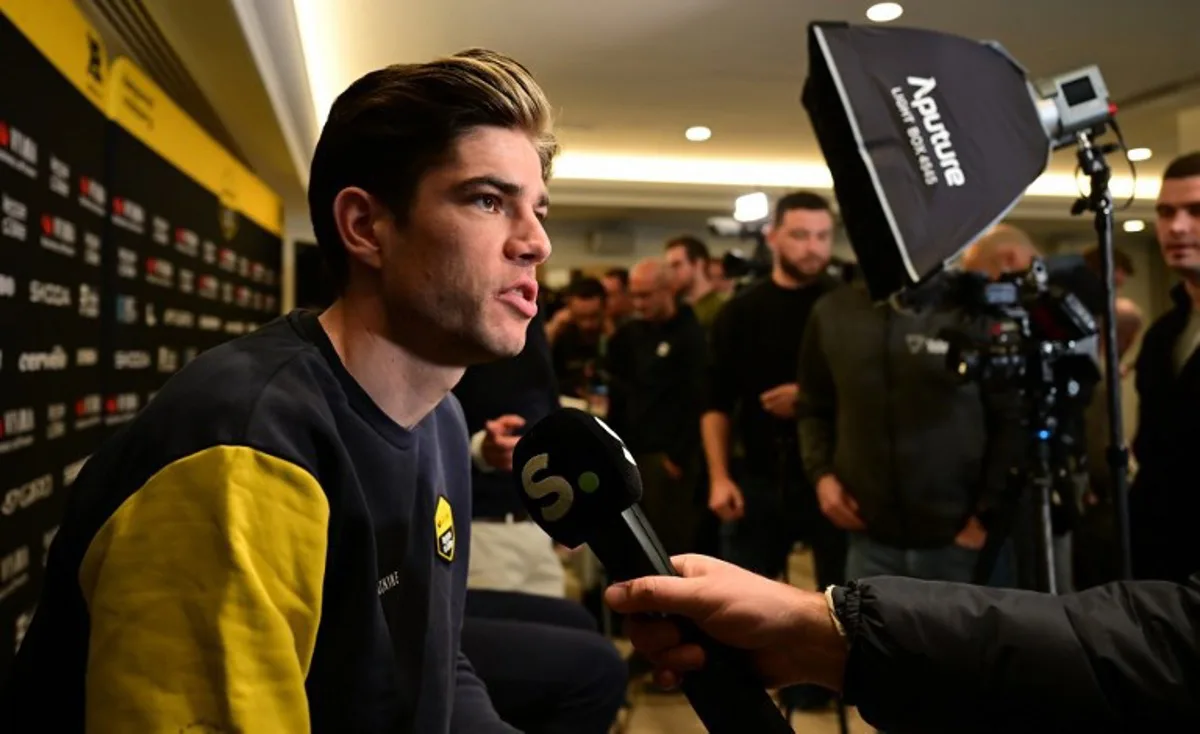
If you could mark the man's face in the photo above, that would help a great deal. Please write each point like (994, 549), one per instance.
(652, 295)
(1178, 224)
(682, 271)
(463, 265)
(587, 314)
(803, 242)
(618, 298)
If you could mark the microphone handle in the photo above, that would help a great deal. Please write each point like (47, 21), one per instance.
(727, 693)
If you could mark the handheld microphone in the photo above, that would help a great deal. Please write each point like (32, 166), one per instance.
(581, 485)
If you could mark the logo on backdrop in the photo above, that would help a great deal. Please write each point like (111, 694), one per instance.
(60, 177)
(8, 286)
(121, 408)
(127, 309)
(56, 424)
(87, 412)
(16, 428)
(18, 150)
(87, 357)
(21, 497)
(229, 222)
(128, 215)
(14, 571)
(938, 143)
(92, 195)
(127, 263)
(168, 359)
(162, 231)
(179, 318)
(58, 235)
(131, 359)
(49, 294)
(89, 301)
(187, 281)
(15, 215)
(918, 343)
(554, 486)
(50, 361)
(95, 67)
(443, 529)
(160, 272)
(208, 322)
(91, 248)
(187, 242)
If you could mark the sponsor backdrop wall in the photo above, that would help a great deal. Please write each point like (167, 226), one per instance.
(129, 243)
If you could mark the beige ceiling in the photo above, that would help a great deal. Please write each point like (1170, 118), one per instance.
(628, 76)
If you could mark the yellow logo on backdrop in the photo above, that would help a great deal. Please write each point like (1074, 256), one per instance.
(443, 529)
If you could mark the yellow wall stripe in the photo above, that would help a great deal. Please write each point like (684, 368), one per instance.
(137, 104)
(61, 33)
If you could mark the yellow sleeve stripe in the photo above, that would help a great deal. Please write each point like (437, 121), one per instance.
(204, 592)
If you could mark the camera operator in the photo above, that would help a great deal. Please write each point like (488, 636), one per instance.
(1164, 503)
(902, 454)
(933, 656)
(763, 497)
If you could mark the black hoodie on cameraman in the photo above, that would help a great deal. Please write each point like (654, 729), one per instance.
(919, 451)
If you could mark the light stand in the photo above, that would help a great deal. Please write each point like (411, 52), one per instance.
(1099, 200)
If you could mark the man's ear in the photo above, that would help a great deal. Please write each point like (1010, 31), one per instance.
(357, 215)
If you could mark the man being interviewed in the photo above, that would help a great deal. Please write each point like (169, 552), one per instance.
(279, 541)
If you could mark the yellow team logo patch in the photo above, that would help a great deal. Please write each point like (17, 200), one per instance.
(443, 529)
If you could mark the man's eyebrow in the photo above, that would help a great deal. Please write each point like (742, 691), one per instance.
(508, 188)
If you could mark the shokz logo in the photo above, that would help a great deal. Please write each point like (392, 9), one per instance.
(554, 486)
(15, 215)
(92, 195)
(60, 177)
(18, 150)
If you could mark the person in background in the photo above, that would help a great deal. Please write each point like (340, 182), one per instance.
(688, 258)
(578, 336)
(762, 496)
(657, 364)
(904, 456)
(721, 283)
(1164, 502)
(618, 306)
(545, 664)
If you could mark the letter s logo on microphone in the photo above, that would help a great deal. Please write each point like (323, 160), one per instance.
(559, 487)
(553, 485)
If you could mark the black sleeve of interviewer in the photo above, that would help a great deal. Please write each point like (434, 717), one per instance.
(941, 657)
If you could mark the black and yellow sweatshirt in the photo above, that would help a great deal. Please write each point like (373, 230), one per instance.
(261, 550)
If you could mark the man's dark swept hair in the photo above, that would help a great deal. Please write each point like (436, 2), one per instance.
(1185, 166)
(621, 274)
(694, 248)
(393, 125)
(587, 289)
(800, 200)
(1095, 261)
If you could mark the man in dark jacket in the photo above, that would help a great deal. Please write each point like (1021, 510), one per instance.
(1165, 501)
(923, 656)
(901, 452)
(656, 371)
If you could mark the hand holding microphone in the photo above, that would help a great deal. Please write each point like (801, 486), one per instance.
(581, 485)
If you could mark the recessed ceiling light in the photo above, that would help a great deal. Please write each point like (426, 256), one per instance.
(1139, 154)
(1134, 225)
(698, 134)
(751, 207)
(884, 12)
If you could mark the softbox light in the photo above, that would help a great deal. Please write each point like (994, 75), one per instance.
(930, 138)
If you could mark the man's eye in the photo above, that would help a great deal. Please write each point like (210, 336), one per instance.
(488, 202)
